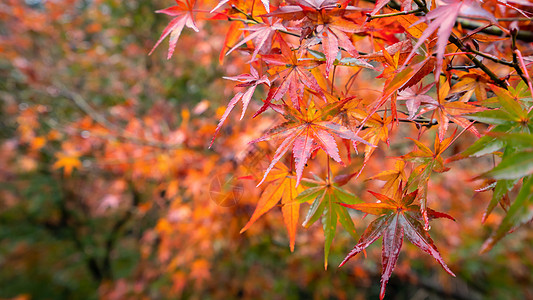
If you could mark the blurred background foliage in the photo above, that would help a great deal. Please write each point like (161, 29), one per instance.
(108, 190)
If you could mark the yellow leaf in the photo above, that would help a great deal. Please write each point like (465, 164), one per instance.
(281, 187)
(37, 143)
(67, 162)
(407, 21)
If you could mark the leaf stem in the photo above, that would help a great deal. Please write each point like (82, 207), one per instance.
(242, 20)
(248, 16)
(400, 13)
(498, 19)
(333, 80)
(290, 33)
(328, 178)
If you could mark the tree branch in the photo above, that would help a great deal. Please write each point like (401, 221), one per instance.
(111, 240)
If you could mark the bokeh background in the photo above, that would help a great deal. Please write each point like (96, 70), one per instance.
(108, 189)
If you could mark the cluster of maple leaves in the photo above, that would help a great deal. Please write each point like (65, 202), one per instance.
(313, 56)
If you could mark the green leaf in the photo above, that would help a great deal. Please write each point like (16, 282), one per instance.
(502, 187)
(517, 140)
(344, 196)
(327, 195)
(354, 62)
(484, 145)
(346, 220)
(514, 166)
(520, 212)
(509, 103)
(317, 54)
(308, 194)
(495, 117)
(329, 223)
(315, 211)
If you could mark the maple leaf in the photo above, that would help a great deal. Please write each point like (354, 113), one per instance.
(328, 20)
(442, 19)
(456, 111)
(516, 163)
(306, 131)
(183, 17)
(398, 218)
(281, 186)
(512, 125)
(512, 110)
(470, 82)
(333, 37)
(392, 177)
(68, 161)
(414, 97)
(251, 80)
(294, 75)
(376, 129)
(326, 194)
(262, 35)
(427, 161)
(519, 213)
(432, 160)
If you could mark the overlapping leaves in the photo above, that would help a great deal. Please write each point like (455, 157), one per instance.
(303, 91)
(308, 130)
(512, 130)
(325, 195)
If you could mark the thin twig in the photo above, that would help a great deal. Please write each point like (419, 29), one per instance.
(248, 16)
(462, 47)
(115, 131)
(516, 64)
(477, 62)
(400, 13)
(498, 19)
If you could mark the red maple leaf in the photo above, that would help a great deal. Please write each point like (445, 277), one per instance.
(183, 17)
(416, 96)
(261, 34)
(308, 131)
(397, 218)
(326, 18)
(251, 80)
(294, 75)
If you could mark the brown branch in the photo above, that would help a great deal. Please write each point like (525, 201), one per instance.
(525, 36)
(477, 62)
(462, 47)
(116, 132)
(516, 64)
(107, 271)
